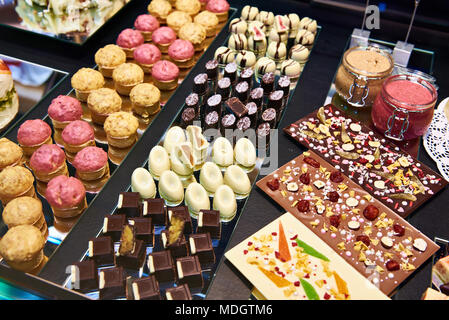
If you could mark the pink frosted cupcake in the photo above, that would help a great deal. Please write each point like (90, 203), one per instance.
(66, 196)
(163, 37)
(146, 24)
(63, 110)
(165, 75)
(220, 8)
(48, 162)
(181, 52)
(92, 168)
(32, 134)
(77, 136)
(128, 40)
(146, 55)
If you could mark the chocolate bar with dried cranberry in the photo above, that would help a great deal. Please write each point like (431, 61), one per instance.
(377, 242)
(388, 173)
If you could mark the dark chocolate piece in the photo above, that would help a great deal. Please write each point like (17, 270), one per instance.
(253, 113)
(214, 103)
(235, 106)
(244, 124)
(211, 120)
(200, 84)
(284, 85)
(256, 96)
(247, 76)
(242, 91)
(161, 265)
(275, 100)
(444, 288)
(112, 283)
(155, 209)
(267, 83)
(101, 250)
(201, 245)
(129, 204)
(227, 122)
(113, 225)
(230, 71)
(144, 289)
(182, 213)
(144, 229)
(131, 252)
(269, 116)
(188, 115)
(173, 238)
(212, 69)
(181, 292)
(189, 271)
(209, 221)
(224, 87)
(84, 276)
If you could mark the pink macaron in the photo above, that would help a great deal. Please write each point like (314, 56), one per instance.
(64, 109)
(181, 50)
(217, 6)
(90, 159)
(130, 38)
(164, 36)
(147, 54)
(65, 192)
(33, 132)
(146, 23)
(164, 70)
(47, 159)
(78, 132)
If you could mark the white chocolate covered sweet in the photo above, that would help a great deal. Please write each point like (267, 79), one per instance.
(225, 202)
(238, 25)
(238, 180)
(245, 59)
(222, 153)
(211, 177)
(199, 145)
(290, 68)
(305, 37)
(171, 189)
(264, 65)
(293, 24)
(196, 198)
(249, 13)
(277, 51)
(299, 53)
(237, 42)
(224, 55)
(256, 24)
(267, 18)
(245, 154)
(143, 183)
(275, 36)
(158, 161)
(174, 136)
(308, 24)
(182, 160)
(281, 23)
(257, 42)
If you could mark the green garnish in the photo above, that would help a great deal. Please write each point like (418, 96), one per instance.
(309, 290)
(311, 251)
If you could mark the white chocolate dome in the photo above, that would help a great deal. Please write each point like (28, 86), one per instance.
(199, 144)
(158, 161)
(225, 202)
(143, 183)
(211, 177)
(245, 153)
(222, 153)
(174, 136)
(171, 189)
(238, 180)
(182, 159)
(196, 198)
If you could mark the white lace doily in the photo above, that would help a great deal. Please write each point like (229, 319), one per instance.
(436, 140)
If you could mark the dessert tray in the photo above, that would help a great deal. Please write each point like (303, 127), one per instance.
(392, 176)
(285, 260)
(367, 234)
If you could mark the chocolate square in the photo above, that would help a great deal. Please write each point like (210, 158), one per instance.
(144, 289)
(113, 225)
(112, 283)
(182, 213)
(84, 276)
(235, 106)
(181, 292)
(189, 271)
(201, 246)
(129, 204)
(209, 221)
(155, 209)
(144, 230)
(178, 248)
(134, 259)
(160, 264)
(101, 250)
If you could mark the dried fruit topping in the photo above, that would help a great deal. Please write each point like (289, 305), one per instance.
(292, 187)
(311, 161)
(335, 220)
(370, 212)
(392, 265)
(363, 160)
(398, 230)
(336, 177)
(273, 184)
(364, 238)
(303, 205)
(333, 196)
(305, 178)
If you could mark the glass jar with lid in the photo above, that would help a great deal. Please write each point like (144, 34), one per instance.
(361, 74)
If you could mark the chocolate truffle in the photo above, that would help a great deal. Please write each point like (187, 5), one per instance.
(200, 84)
(256, 96)
(212, 69)
(269, 116)
(201, 246)
(242, 91)
(224, 87)
(267, 83)
(214, 103)
(211, 120)
(230, 72)
(247, 76)
(188, 115)
(131, 252)
(189, 271)
(112, 283)
(161, 265)
(209, 221)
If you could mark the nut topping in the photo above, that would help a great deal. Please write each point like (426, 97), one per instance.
(420, 244)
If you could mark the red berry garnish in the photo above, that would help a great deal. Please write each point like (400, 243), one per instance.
(336, 177)
(335, 220)
(363, 238)
(305, 178)
(273, 184)
(392, 265)
(311, 161)
(333, 196)
(303, 205)
(371, 212)
(398, 230)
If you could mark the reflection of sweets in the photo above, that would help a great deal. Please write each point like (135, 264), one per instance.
(15, 182)
(128, 40)
(121, 129)
(109, 58)
(91, 163)
(10, 154)
(146, 24)
(63, 110)
(48, 162)
(67, 196)
(84, 81)
(32, 134)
